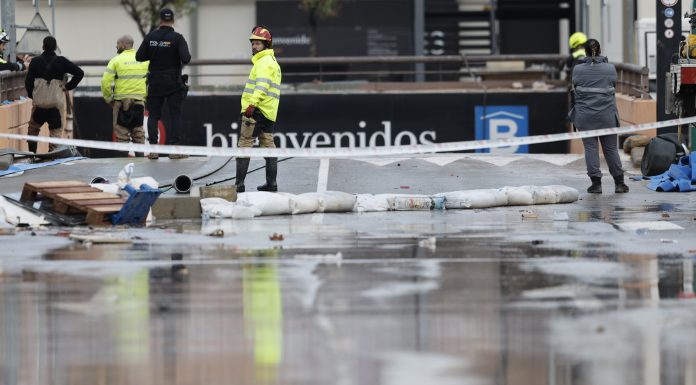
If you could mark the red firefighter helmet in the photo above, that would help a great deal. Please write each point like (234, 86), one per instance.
(261, 33)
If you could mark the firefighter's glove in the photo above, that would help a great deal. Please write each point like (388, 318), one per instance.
(250, 111)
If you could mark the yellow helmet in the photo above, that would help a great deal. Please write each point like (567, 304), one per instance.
(577, 39)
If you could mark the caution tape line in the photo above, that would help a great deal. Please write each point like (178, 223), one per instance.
(349, 152)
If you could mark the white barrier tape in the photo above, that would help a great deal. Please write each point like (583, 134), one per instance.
(347, 152)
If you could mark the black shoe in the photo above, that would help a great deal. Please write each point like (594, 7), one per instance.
(267, 187)
(242, 167)
(596, 187)
(620, 185)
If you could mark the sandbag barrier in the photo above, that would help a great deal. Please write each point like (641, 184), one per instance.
(261, 203)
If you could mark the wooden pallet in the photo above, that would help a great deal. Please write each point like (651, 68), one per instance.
(74, 197)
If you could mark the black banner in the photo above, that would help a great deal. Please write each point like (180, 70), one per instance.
(359, 28)
(341, 120)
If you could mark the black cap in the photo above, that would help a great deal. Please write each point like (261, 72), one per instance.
(166, 14)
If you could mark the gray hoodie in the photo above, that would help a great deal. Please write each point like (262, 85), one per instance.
(594, 83)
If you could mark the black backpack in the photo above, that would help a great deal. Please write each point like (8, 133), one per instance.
(662, 151)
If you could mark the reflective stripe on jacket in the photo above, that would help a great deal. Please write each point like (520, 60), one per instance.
(128, 77)
(594, 83)
(579, 53)
(263, 86)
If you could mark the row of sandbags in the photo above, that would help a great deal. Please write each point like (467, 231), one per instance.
(253, 204)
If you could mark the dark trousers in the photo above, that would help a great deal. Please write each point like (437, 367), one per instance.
(611, 155)
(154, 108)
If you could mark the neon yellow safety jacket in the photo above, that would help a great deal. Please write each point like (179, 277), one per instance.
(579, 53)
(128, 77)
(263, 87)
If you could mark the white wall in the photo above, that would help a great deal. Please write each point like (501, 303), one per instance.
(87, 30)
(605, 24)
(646, 8)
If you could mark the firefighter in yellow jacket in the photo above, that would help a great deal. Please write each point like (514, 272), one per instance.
(123, 87)
(260, 102)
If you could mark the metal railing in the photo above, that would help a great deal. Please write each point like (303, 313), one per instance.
(12, 85)
(632, 80)
(378, 68)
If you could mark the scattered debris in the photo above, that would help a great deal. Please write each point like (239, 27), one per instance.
(6, 229)
(528, 214)
(648, 225)
(404, 187)
(600, 329)
(429, 243)
(65, 197)
(276, 237)
(217, 233)
(665, 240)
(537, 242)
(665, 215)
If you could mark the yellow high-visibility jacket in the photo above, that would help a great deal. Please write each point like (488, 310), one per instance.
(128, 77)
(579, 53)
(262, 89)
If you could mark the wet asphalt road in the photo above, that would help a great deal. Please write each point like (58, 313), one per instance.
(454, 297)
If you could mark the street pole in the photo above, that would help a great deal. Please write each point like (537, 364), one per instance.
(7, 8)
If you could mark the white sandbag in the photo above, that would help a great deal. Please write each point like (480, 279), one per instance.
(334, 201)
(269, 203)
(220, 208)
(403, 202)
(475, 199)
(302, 204)
(565, 194)
(543, 195)
(519, 195)
(365, 203)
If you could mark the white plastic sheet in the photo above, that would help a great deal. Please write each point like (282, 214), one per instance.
(15, 215)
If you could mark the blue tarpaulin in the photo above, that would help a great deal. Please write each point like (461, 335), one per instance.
(680, 177)
(19, 167)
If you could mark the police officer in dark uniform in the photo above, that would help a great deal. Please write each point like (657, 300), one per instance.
(167, 52)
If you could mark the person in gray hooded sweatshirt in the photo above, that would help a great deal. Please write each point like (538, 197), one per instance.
(594, 81)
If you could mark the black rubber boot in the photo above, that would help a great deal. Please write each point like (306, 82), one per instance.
(596, 187)
(242, 167)
(271, 173)
(32, 146)
(620, 185)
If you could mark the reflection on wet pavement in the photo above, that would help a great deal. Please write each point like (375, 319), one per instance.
(461, 297)
(451, 310)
